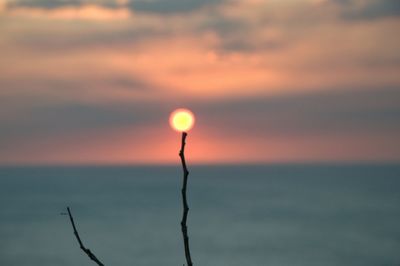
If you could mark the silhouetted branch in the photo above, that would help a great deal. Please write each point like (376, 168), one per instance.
(86, 250)
(184, 201)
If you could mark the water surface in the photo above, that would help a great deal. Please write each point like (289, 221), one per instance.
(284, 215)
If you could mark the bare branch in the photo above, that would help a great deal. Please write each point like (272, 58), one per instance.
(184, 201)
(86, 250)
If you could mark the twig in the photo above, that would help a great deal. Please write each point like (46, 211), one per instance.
(184, 201)
(86, 250)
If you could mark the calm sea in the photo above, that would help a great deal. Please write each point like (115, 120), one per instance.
(284, 215)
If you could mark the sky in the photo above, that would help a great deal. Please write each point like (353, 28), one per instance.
(274, 81)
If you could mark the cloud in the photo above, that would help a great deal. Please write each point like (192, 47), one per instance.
(3, 5)
(315, 113)
(281, 78)
(342, 124)
(171, 6)
(53, 4)
(166, 7)
(48, 4)
(66, 10)
(195, 64)
(370, 9)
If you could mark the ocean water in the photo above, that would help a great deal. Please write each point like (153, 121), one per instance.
(282, 215)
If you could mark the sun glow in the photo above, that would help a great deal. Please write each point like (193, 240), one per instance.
(181, 120)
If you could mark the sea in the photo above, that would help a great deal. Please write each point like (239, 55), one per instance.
(240, 215)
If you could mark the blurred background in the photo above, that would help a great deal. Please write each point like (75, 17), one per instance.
(93, 81)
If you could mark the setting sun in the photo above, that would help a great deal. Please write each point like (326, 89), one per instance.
(181, 120)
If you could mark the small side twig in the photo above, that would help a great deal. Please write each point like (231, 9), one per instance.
(184, 201)
(86, 250)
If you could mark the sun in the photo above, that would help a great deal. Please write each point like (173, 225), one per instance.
(181, 120)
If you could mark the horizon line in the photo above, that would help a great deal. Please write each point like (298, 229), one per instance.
(209, 164)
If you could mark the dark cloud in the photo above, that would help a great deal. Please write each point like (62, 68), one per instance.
(372, 10)
(42, 40)
(171, 6)
(150, 6)
(34, 106)
(42, 121)
(238, 34)
(235, 34)
(49, 4)
(246, 45)
(344, 111)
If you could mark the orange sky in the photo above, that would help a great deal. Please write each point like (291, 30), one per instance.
(270, 81)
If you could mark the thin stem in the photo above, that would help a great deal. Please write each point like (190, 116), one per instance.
(184, 201)
(86, 250)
